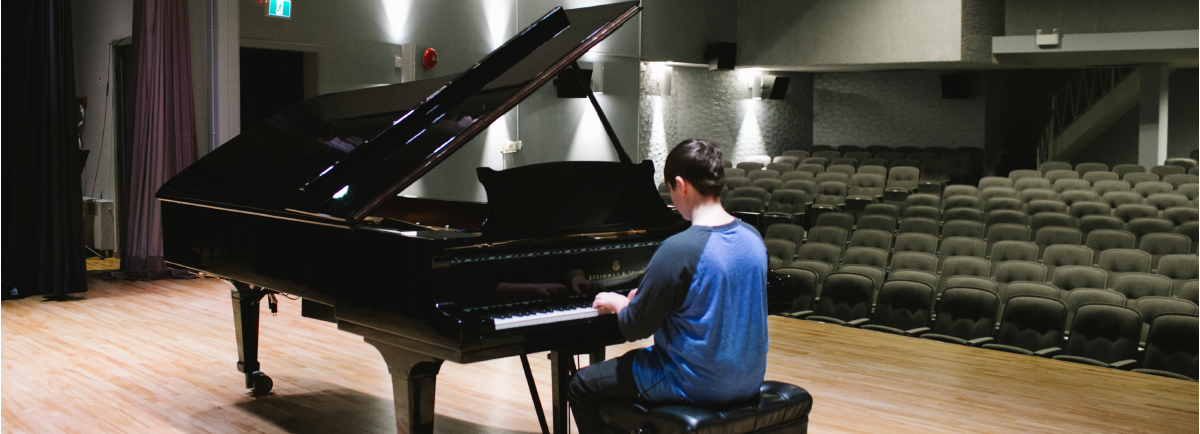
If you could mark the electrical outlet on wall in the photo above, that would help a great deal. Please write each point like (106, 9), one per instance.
(510, 147)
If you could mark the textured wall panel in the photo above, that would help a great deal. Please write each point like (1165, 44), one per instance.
(715, 105)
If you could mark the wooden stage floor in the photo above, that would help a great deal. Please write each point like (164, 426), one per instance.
(159, 357)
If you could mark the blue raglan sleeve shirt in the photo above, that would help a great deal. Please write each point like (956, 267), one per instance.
(703, 298)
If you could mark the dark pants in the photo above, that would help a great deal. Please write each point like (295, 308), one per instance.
(597, 383)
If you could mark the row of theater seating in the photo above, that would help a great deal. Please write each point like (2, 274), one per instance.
(1091, 326)
(1011, 236)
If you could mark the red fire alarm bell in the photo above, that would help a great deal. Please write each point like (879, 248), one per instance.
(430, 58)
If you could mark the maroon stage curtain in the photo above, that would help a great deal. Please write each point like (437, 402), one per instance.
(164, 136)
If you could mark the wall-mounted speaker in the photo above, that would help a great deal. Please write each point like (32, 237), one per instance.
(956, 86)
(720, 56)
(774, 86)
(568, 85)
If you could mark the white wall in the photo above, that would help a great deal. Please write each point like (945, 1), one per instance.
(782, 34)
(95, 26)
(1024, 17)
(678, 30)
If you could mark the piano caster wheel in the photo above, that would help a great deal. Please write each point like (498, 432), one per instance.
(262, 383)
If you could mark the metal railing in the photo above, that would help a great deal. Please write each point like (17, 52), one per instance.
(1074, 99)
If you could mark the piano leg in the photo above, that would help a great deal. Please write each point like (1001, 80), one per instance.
(562, 368)
(245, 326)
(414, 382)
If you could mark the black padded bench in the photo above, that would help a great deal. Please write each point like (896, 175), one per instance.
(778, 408)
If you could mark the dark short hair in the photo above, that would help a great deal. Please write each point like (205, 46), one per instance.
(699, 163)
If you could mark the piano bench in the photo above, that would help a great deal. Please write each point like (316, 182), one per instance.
(778, 408)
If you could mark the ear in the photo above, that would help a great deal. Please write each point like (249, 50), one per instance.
(682, 185)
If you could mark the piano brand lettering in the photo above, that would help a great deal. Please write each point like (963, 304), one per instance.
(621, 274)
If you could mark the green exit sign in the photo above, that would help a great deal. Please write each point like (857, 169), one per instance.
(279, 8)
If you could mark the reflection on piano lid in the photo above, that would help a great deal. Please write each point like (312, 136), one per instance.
(343, 156)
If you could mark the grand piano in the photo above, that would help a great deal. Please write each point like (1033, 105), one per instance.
(307, 203)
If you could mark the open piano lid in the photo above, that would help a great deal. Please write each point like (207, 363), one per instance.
(312, 159)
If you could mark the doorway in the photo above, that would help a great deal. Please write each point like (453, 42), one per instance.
(271, 80)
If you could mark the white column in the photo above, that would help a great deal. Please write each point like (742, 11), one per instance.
(224, 83)
(1152, 125)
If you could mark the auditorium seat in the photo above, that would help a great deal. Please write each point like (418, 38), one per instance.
(870, 166)
(1018, 271)
(1171, 347)
(990, 192)
(1032, 326)
(1115, 262)
(827, 176)
(1141, 227)
(833, 235)
(1104, 335)
(1129, 212)
(1162, 201)
(828, 155)
(820, 258)
(1104, 187)
(1070, 197)
(962, 228)
(903, 178)
(845, 169)
(734, 183)
(1037, 289)
(994, 181)
(790, 159)
(845, 300)
(1023, 173)
(796, 175)
(768, 184)
(1008, 232)
(1071, 277)
(1137, 178)
(1180, 269)
(1083, 209)
(1166, 170)
(804, 284)
(914, 260)
(858, 155)
(1147, 188)
(1029, 195)
(1003, 216)
(1186, 163)
(876, 274)
(965, 266)
(783, 231)
(1013, 251)
(871, 238)
(1053, 176)
(1050, 219)
(926, 277)
(832, 193)
(1053, 165)
(1095, 177)
(802, 185)
(836, 219)
(964, 214)
(871, 256)
(963, 246)
(965, 316)
(1057, 235)
(919, 225)
(922, 212)
(790, 203)
(1137, 285)
(1085, 296)
(812, 168)
(1123, 169)
(1190, 291)
(1062, 185)
(782, 249)
(773, 262)
(875, 221)
(902, 307)
(1040, 206)
(1190, 191)
(1003, 203)
(750, 166)
(1059, 255)
(1084, 168)
(781, 167)
(1151, 307)
(1094, 222)
(1103, 239)
(882, 209)
(1115, 199)
(795, 153)
(753, 192)
(744, 205)
(959, 190)
(759, 174)
(1159, 245)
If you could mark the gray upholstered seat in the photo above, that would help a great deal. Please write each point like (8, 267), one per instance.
(1071, 277)
(919, 225)
(1104, 335)
(1059, 255)
(1032, 326)
(914, 261)
(1171, 347)
(965, 316)
(1115, 262)
(916, 242)
(902, 307)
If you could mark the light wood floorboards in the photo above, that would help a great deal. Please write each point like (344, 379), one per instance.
(160, 357)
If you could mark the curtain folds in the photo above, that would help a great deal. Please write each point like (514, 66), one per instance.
(163, 128)
(42, 196)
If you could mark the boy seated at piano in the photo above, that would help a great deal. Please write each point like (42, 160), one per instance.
(703, 298)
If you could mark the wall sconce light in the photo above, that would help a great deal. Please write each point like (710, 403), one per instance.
(661, 74)
(407, 62)
(773, 87)
(597, 77)
(753, 81)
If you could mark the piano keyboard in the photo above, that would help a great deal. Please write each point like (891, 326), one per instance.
(544, 318)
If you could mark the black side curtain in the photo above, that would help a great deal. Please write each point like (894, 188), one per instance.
(43, 210)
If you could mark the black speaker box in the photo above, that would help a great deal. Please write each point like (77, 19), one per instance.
(774, 86)
(568, 85)
(956, 86)
(720, 55)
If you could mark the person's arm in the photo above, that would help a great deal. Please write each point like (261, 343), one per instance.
(664, 287)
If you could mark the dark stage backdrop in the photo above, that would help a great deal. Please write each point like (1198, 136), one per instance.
(43, 210)
(164, 137)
